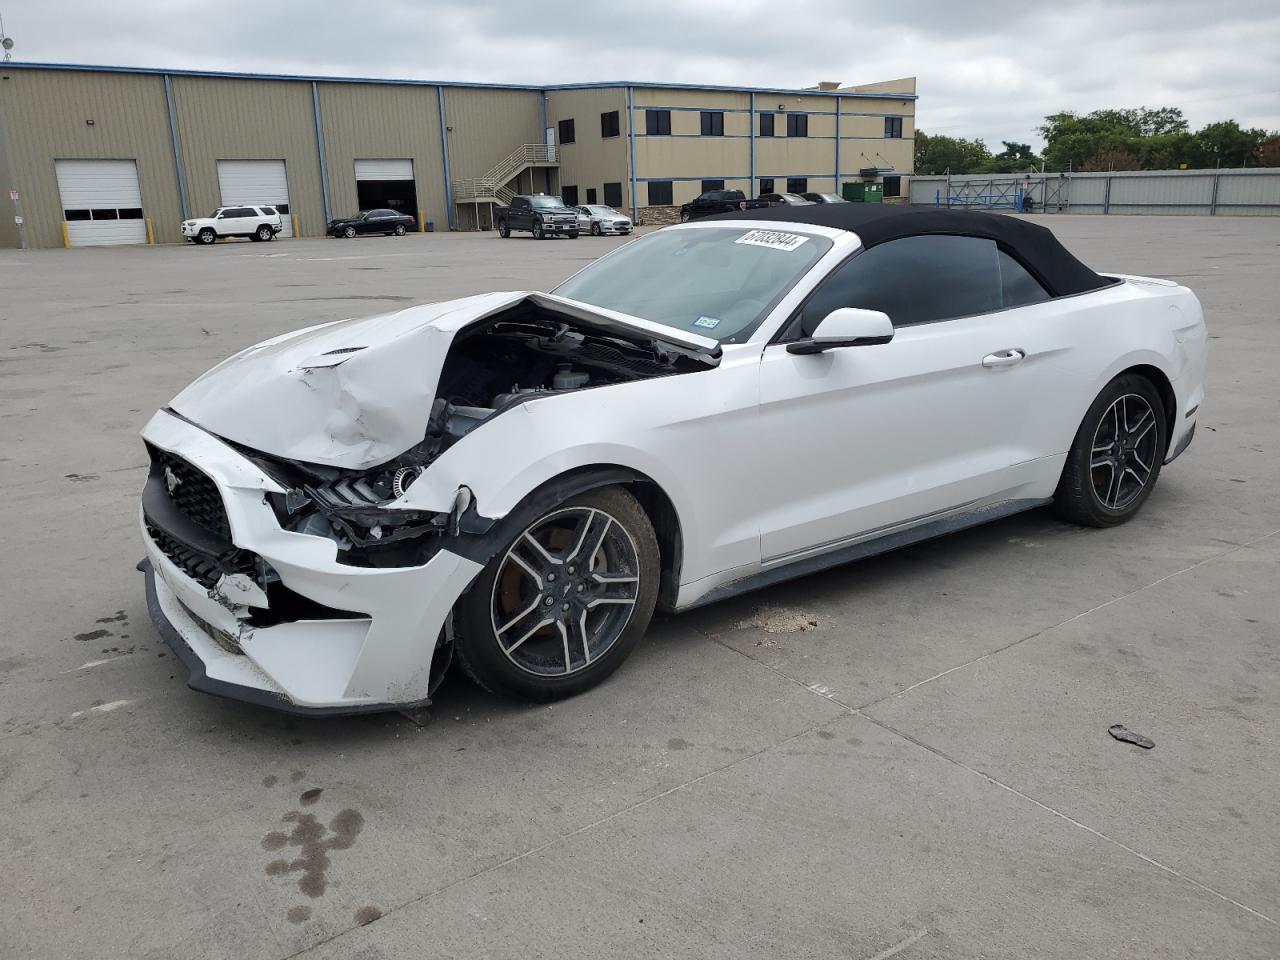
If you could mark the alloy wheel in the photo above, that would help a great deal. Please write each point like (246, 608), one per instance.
(565, 591)
(1123, 455)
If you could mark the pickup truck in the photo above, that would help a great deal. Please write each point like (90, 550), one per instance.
(718, 201)
(542, 215)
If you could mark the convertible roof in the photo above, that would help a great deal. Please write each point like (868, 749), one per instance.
(1037, 248)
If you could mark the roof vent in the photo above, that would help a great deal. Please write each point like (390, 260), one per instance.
(828, 84)
(341, 350)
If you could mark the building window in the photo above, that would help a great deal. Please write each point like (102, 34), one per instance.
(893, 128)
(713, 123)
(708, 185)
(660, 193)
(766, 124)
(797, 184)
(613, 195)
(893, 186)
(569, 195)
(609, 124)
(591, 196)
(657, 123)
(766, 185)
(566, 131)
(797, 124)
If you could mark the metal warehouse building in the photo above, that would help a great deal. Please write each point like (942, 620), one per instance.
(102, 155)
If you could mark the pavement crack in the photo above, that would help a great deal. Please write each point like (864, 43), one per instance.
(1069, 819)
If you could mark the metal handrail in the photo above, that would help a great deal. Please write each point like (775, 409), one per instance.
(493, 183)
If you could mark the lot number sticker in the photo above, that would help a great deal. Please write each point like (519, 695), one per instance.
(772, 239)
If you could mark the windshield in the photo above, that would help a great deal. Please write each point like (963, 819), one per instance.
(604, 211)
(545, 203)
(719, 282)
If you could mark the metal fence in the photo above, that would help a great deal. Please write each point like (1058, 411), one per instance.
(1237, 193)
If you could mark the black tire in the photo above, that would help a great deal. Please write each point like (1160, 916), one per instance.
(573, 234)
(207, 236)
(481, 652)
(504, 230)
(400, 230)
(263, 233)
(595, 230)
(349, 232)
(1115, 459)
(685, 216)
(538, 232)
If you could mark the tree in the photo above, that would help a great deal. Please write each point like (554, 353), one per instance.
(1225, 144)
(1268, 154)
(939, 154)
(1073, 141)
(1014, 158)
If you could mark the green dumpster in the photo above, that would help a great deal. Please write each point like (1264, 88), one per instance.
(864, 192)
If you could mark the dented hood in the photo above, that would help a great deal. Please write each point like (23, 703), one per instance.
(355, 393)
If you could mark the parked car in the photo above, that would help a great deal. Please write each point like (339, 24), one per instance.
(717, 201)
(600, 220)
(824, 198)
(784, 200)
(516, 480)
(387, 222)
(256, 223)
(540, 214)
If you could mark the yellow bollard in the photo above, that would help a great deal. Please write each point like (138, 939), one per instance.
(422, 222)
(151, 234)
(66, 238)
(296, 231)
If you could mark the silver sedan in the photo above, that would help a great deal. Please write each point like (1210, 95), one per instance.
(601, 220)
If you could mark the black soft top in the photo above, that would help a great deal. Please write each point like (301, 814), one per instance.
(1033, 245)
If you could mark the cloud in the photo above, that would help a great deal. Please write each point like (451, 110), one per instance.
(985, 69)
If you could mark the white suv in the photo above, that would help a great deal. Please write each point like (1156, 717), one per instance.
(256, 223)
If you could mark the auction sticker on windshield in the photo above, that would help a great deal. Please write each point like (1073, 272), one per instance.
(772, 239)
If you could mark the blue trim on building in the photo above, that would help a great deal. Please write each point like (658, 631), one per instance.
(177, 149)
(324, 167)
(450, 213)
(752, 121)
(631, 136)
(601, 85)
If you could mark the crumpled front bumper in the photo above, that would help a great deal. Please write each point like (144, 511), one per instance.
(380, 658)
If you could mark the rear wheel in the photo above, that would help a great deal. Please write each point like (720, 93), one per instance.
(264, 232)
(565, 603)
(1115, 459)
(399, 231)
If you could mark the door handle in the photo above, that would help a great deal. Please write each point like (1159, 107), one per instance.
(1004, 358)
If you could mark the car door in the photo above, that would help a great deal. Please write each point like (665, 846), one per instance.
(860, 440)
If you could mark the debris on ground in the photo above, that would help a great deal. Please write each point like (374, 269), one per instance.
(773, 619)
(1125, 735)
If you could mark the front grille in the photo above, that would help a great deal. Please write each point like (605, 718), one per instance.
(201, 567)
(193, 493)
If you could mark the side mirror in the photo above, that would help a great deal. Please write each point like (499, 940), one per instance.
(846, 327)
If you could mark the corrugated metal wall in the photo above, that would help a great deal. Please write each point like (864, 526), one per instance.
(46, 114)
(234, 119)
(591, 159)
(368, 121)
(1239, 193)
(488, 125)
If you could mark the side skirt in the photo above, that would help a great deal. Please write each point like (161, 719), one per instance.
(869, 548)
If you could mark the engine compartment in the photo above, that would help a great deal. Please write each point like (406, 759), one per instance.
(524, 353)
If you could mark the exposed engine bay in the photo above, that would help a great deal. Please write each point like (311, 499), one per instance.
(522, 354)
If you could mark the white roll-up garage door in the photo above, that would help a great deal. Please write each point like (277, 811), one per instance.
(256, 183)
(101, 202)
(384, 170)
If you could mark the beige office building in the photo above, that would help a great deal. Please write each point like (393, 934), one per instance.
(104, 155)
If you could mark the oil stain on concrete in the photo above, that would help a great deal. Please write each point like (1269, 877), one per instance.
(314, 842)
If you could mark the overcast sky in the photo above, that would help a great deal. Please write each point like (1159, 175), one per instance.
(989, 70)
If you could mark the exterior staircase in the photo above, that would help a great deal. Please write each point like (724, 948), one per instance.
(492, 187)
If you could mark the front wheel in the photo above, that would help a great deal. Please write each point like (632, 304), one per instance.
(565, 603)
(537, 230)
(685, 216)
(595, 230)
(573, 234)
(504, 231)
(207, 236)
(349, 232)
(1115, 459)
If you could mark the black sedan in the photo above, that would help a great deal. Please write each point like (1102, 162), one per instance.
(388, 222)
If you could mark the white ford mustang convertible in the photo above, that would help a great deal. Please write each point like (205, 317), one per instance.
(516, 480)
